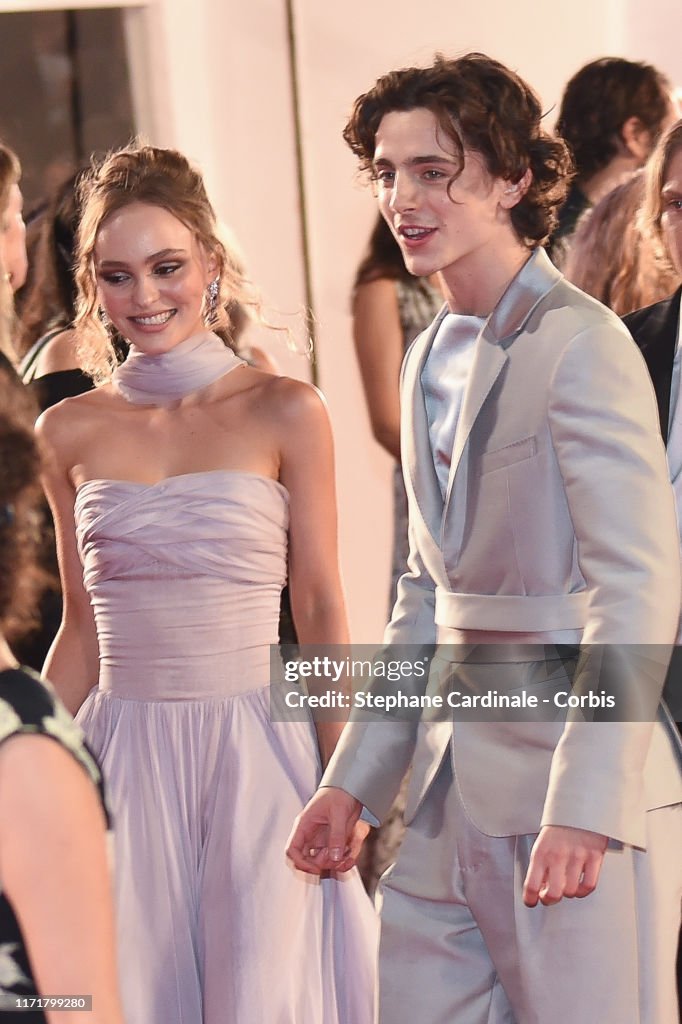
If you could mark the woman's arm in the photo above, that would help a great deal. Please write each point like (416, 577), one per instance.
(307, 471)
(72, 663)
(54, 872)
(379, 347)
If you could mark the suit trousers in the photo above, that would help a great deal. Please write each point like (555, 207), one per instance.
(458, 946)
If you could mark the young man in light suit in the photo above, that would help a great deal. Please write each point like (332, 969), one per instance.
(540, 516)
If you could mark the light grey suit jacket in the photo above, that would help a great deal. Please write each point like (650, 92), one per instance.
(558, 526)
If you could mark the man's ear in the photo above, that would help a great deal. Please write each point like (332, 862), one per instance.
(514, 191)
(636, 139)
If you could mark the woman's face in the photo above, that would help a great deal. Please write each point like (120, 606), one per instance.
(152, 275)
(671, 220)
(13, 239)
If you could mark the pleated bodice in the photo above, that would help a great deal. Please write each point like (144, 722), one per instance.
(185, 578)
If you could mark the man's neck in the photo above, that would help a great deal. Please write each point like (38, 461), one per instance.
(475, 289)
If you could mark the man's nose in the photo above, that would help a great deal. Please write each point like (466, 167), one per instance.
(403, 193)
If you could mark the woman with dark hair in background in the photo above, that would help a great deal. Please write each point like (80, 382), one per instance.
(46, 342)
(390, 308)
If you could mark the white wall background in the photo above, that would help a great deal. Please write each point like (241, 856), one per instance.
(212, 77)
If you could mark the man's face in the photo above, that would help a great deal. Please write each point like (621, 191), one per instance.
(671, 219)
(453, 230)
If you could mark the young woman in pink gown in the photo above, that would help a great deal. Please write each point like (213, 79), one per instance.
(186, 488)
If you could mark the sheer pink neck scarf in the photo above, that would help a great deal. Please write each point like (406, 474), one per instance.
(161, 379)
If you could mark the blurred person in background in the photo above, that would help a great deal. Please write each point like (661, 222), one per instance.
(612, 259)
(657, 329)
(390, 308)
(13, 260)
(612, 112)
(12, 227)
(56, 914)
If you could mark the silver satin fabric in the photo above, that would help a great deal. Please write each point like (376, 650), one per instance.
(444, 379)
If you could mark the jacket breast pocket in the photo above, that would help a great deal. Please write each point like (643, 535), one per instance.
(501, 458)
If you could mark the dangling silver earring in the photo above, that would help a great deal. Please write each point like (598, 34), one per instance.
(212, 293)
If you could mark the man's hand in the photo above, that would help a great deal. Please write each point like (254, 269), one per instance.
(327, 835)
(564, 862)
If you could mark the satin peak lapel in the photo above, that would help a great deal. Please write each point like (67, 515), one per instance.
(421, 478)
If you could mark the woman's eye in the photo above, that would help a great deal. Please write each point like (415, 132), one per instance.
(165, 269)
(114, 278)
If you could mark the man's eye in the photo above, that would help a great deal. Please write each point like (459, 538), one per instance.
(433, 174)
(385, 177)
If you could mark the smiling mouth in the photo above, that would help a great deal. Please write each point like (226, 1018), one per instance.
(153, 320)
(414, 233)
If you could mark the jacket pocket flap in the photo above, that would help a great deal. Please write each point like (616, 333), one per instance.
(517, 451)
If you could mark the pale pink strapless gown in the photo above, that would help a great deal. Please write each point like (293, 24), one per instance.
(214, 924)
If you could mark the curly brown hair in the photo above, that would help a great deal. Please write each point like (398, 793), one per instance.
(483, 106)
(600, 98)
(20, 495)
(139, 173)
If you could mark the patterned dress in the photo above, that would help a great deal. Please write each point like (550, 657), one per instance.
(29, 706)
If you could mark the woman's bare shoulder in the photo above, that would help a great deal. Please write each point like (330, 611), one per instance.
(68, 418)
(290, 399)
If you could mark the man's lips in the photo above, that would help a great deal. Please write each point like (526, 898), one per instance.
(414, 235)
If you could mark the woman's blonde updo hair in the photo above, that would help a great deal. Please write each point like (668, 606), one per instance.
(140, 173)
